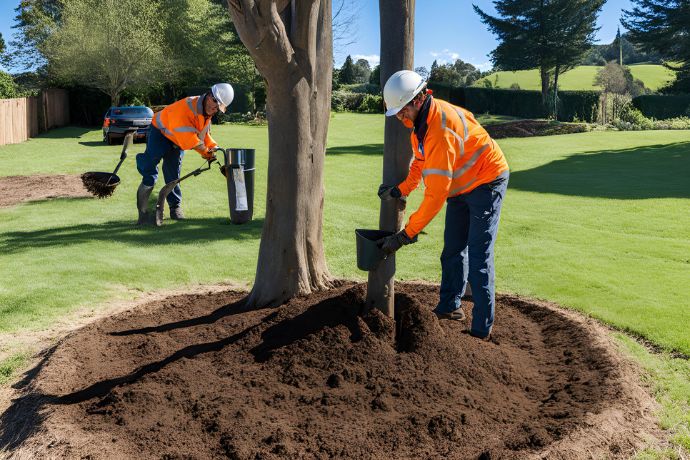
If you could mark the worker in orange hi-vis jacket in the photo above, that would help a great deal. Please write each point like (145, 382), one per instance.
(462, 166)
(181, 126)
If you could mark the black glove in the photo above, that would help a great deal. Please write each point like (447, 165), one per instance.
(388, 192)
(392, 243)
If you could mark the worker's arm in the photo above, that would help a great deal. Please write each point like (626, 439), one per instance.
(440, 151)
(413, 178)
(209, 142)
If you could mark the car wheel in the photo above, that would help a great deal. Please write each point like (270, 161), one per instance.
(109, 139)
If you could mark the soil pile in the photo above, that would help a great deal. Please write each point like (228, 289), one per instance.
(18, 189)
(529, 128)
(200, 377)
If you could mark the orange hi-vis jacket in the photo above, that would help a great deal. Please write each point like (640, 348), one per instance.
(454, 156)
(184, 123)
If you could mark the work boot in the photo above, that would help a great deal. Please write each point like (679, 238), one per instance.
(457, 315)
(143, 194)
(176, 213)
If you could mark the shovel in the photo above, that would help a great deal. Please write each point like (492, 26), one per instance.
(167, 188)
(102, 184)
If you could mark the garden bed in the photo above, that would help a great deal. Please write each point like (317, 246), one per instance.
(530, 128)
(198, 376)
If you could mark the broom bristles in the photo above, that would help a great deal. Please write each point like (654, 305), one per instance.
(96, 187)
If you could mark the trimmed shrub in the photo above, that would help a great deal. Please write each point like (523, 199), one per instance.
(573, 105)
(663, 107)
(371, 104)
(578, 105)
(631, 119)
(346, 101)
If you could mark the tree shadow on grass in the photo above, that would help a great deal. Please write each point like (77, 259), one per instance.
(180, 232)
(365, 149)
(67, 132)
(93, 143)
(656, 171)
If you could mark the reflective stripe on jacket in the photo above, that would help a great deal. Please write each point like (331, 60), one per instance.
(455, 156)
(184, 123)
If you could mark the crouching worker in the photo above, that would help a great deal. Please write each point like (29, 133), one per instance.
(180, 126)
(461, 165)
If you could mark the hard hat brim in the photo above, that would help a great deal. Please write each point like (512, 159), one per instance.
(222, 107)
(394, 111)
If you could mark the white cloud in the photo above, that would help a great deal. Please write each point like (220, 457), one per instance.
(483, 66)
(445, 57)
(373, 59)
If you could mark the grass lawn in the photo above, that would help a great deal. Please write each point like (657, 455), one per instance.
(580, 78)
(596, 221)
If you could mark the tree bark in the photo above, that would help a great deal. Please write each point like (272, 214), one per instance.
(556, 73)
(397, 53)
(544, 74)
(291, 44)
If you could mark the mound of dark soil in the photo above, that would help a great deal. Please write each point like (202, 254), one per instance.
(529, 128)
(18, 189)
(199, 377)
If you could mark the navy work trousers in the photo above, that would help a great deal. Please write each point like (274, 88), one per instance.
(468, 252)
(160, 147)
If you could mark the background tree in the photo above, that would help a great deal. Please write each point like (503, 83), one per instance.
(553, 35)
(2, 45)
(375, 77)
(663, 26)
(291, 44)
(618, 89)
(632, 54)
(397, 53)
(572, 34)
(109, 45)
(362, 71)
(347, 71)
(423, 72)
(8, 88)
(457, 74)
(35, 21)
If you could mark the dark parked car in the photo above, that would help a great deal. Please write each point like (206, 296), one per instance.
(118, 121)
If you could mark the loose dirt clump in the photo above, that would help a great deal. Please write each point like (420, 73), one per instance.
(199, 376)
(98, 184)
(529, 128)
(18, 189)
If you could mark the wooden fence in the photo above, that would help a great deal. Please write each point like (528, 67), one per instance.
(26, 117)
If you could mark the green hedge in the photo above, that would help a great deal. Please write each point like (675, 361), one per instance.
(345, 101)
(581, 105)
(663, 107)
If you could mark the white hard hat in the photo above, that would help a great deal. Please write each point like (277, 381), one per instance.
(400, 89)
(224, 94)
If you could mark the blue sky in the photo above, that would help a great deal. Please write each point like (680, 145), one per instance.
(450, 29)
(444, 30)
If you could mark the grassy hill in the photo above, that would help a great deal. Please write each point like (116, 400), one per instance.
(654, 77)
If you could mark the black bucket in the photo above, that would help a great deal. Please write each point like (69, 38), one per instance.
(369, 255)
(244, 159)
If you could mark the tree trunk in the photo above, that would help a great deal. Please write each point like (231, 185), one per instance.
(555, 92)
(544, 73)
(397, 53)
(291, 44)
